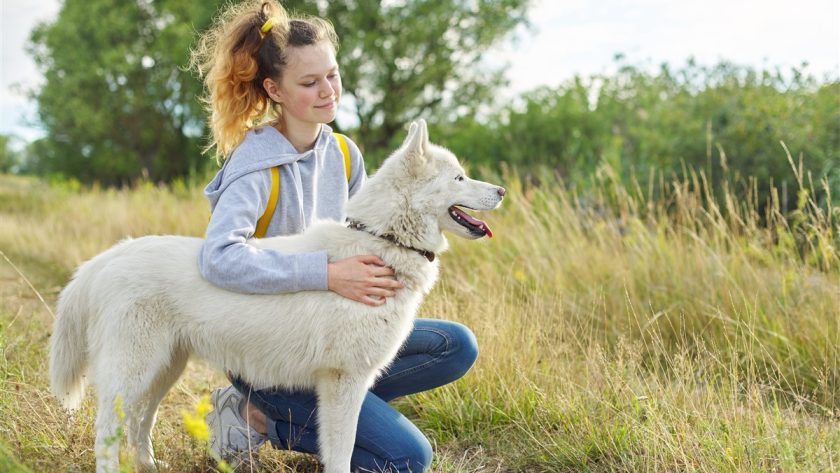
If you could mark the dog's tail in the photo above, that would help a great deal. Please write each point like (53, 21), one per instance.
(69, 342)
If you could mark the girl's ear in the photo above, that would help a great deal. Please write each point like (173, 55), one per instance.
(272, 89)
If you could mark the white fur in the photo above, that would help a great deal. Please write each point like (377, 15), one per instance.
(133, 315)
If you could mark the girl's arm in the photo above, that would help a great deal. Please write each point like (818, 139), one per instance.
(228, 261)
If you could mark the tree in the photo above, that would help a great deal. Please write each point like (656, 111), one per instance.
(8, 157)
(401, 60)
(116, 102)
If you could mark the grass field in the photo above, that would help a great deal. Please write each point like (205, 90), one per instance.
(669, 334)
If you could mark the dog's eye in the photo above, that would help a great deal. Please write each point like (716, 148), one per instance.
(459, 178)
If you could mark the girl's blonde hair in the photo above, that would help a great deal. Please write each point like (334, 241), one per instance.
(235, 56)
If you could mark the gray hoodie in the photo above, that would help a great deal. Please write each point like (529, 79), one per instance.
(313, 186)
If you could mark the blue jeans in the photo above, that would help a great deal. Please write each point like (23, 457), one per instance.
(436, 352)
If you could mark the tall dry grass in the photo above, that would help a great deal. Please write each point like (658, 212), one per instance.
(625, 330)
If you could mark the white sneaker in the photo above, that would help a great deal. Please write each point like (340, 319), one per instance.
(230, 436)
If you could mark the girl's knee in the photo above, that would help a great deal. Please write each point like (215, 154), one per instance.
(465, 344)
(413, 455)
(425, 453)
(420, 455)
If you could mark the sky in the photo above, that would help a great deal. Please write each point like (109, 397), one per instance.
(566, 38)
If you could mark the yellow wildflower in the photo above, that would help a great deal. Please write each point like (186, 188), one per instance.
(194, 422)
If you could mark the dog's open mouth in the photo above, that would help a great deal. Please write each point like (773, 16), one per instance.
(474, 225)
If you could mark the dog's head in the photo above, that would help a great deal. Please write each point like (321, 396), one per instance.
(421, 190)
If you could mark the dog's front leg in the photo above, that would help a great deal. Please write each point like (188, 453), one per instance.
(340, 397)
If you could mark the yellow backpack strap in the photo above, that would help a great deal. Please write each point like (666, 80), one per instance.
(262, 223)
(345, 150)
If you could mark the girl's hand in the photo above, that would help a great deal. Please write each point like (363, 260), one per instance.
(363, 279)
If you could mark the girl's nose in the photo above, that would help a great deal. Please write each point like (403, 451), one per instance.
(327, 90)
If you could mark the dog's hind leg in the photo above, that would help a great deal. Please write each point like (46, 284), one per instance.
(340, 397)
(107, 437)
(163, 381)
(134, 352)
(116, 413)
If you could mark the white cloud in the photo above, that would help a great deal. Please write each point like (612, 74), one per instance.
(17, 70)
(582, 37)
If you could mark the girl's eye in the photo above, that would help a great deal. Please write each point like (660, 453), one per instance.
(309, 84)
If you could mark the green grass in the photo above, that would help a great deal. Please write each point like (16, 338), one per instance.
(618, 332)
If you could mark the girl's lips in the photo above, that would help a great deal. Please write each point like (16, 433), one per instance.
(326, 106)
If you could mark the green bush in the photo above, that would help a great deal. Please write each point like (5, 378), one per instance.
(726, 121)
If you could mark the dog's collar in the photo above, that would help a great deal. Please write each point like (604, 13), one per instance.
(429, 255)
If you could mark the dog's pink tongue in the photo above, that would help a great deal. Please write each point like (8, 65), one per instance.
(475, 222)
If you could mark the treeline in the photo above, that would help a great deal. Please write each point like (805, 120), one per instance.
(725, 122)
(119, 106)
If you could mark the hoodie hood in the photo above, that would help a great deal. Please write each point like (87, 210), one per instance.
(262, 148)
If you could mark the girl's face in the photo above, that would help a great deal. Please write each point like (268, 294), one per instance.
(311, 85)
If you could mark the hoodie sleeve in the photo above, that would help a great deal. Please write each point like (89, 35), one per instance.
(228, 261)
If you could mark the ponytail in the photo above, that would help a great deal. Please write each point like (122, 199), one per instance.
(246, 45)
(226, 58)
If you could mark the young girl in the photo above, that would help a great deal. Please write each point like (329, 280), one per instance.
(273, 84)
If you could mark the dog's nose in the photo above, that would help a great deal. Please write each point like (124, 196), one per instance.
(501, 191)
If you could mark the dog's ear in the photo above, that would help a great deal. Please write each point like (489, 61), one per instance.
(412, 130)
(417, 141)
(418, 137)
(423, 134)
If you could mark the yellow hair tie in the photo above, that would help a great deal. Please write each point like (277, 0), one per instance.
(266, 27)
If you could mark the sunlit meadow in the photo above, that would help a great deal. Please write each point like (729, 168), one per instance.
(630, 329)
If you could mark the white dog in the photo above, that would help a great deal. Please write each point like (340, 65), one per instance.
(133, 315)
